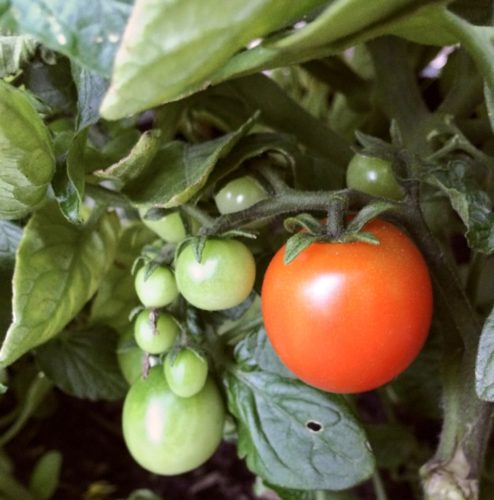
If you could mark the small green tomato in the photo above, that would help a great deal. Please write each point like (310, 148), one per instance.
(222, 279)
(158, 338)
(373, 176)
(186, 373)
(239, 194)
(169, 228)
(158, 289)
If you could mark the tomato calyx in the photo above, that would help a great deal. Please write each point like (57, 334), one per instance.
(310, 230)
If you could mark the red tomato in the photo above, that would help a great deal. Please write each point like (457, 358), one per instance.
(349, 317)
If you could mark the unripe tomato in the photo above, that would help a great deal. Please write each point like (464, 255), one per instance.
(373, 176)
(155, 339)
(239, 194)
(186, 373)
(130, 357)
(167, 434)
(222, 279)
(169, 228)
(349, 317)
(158, 289)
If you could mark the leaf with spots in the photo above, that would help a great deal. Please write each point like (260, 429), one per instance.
(59, 266)
(293, 435)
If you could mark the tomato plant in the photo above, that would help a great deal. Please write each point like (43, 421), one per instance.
(223, 278)
(155, 287)
(155, 334)
(349, 317)
(130, 357)
(170, 227)
(186, 372)
(167, 434)
(373, 176)
(239, 194)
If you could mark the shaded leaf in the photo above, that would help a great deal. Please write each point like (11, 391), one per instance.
(84, 364)
(470, 203)
(15, 51)
(59, 267)
(291, 434)
(180, 170)
(46, 475)
(484, 369)
(27, 163)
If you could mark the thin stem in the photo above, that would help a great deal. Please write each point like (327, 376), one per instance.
(196, 213)
(336, 213)
(379, 486)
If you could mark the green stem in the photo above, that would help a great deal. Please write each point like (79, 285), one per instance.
(379, 486)
(196, 213)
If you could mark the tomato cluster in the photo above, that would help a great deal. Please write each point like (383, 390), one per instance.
(342, 316)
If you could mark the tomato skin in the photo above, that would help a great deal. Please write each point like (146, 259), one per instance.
(159, 339)
(349, 317)
(373, 176)
(167, 434)
(169, 228)
(222, 279)
(159, 289)
(239, 194)
(187, 373)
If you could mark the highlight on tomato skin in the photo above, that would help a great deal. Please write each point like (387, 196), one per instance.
(349, 317)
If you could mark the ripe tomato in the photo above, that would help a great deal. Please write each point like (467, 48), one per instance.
(222, 279)
(348, 317)
(167, 434)
(373, 176)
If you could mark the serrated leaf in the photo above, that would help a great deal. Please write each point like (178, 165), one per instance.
(138, 159)
(84, 364)
(171, 47)
(15, 51)
(91, 87)
(471, 203)
(69, 180)
(27, 162)
(179, 170)
(297, 244)
(87, 32)
(484, 369)
(293, 435)
(116, 296)
(59, 267)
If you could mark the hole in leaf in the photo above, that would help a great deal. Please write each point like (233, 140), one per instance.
(314, 426)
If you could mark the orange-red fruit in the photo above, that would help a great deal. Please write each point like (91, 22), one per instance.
(349, 317)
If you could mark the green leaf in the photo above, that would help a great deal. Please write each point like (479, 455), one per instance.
(116, 296)
(366, 214)
(87, 32)
(91, 87)
(27, 163)
(471, 203)
(15, 52)
(484, 369)
(138, 159)
(45, 476)
(303, 221)
(180, 170)
(69, 180)
(169, 48)
(84, 364)
(59, 267)
(10, 235)
(293, 435)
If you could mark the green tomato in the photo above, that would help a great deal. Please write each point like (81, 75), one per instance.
(130, 358)
(186, 373)
(167, 434)
(169, 228)
(222, 279)
(373, 176)
(158, 289)
(239, 194)
(158, 338)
